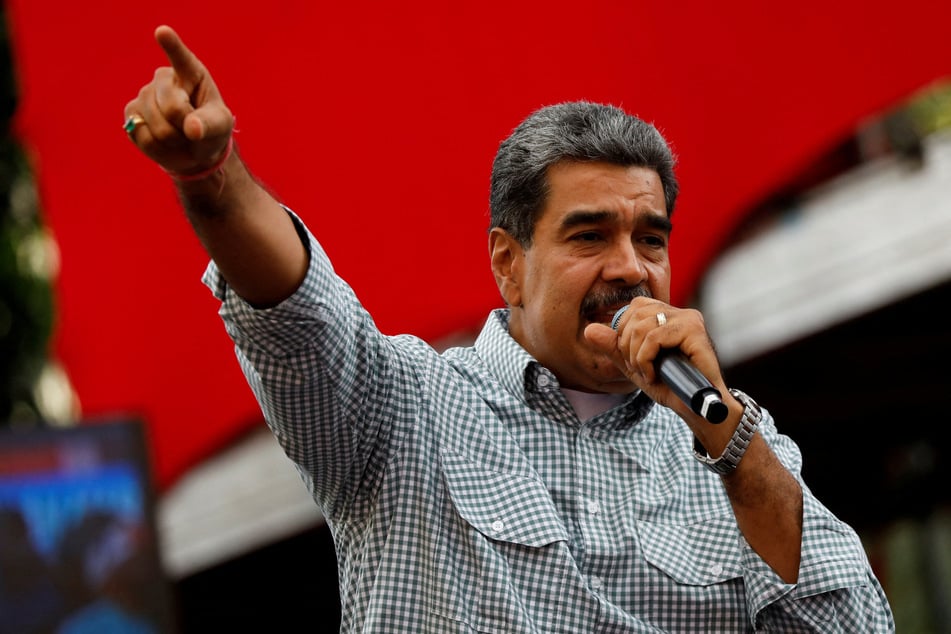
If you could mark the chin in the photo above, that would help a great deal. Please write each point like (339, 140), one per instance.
(610, 381)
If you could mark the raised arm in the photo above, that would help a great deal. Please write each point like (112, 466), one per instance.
(180, 121)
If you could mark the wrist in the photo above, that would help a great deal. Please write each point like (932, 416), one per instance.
(216, 168)
(736, 446)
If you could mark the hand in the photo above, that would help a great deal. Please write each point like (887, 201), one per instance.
(186, 125)
(644, 330)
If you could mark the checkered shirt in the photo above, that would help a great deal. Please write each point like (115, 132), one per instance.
(465, 495)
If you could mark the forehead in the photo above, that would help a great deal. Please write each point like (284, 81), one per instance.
(586, 184)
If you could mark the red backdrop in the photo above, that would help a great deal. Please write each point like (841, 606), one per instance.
(378, 122)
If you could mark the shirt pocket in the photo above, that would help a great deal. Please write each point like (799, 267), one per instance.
(701, 553)
(503, 557)
(504, 507)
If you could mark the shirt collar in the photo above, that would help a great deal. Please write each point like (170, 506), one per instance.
(524, 377)
(508, 361)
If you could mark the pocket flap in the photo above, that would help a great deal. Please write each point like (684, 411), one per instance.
(505, 507)
(698, 554)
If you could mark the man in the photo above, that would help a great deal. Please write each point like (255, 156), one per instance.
(544, 479)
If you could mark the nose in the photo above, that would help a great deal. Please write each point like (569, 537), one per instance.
(622, 264)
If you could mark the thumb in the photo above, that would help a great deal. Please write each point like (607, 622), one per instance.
(603, 338)
(208, 122)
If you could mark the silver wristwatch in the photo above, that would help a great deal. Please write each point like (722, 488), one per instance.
(733, 453)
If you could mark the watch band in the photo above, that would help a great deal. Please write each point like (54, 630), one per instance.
(733, 453)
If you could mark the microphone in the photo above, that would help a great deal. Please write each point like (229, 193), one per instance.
(686, 381)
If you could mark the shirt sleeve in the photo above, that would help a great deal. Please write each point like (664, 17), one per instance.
(837, 590)
(322, 374)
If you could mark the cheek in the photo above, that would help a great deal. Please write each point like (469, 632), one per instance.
(555, 289)
(659, 282)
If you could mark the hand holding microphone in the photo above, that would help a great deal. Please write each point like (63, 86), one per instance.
(684, 379)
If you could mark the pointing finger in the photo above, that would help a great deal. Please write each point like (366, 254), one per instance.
(187, 66)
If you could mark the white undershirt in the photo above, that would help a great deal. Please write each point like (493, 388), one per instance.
(587, 405)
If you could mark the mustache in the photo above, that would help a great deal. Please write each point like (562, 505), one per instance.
(600, 301)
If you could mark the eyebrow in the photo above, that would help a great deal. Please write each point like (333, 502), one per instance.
(586, 217)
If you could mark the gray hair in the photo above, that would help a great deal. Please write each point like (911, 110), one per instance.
(575, 131)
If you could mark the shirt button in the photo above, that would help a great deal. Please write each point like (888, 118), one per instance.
(716, 570)
(593, 507)
(585, 432)
(497, 526)
(596, 583)
(543, 380)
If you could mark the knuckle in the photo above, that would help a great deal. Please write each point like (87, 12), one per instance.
(695, 316)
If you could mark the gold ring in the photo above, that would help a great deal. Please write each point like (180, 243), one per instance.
(131, 123)
(661, 319)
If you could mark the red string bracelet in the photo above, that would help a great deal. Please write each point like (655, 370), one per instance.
(187, 178)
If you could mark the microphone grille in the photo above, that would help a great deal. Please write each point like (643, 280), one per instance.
(617, 317)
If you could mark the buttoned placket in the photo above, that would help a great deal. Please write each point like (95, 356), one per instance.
(590, 511)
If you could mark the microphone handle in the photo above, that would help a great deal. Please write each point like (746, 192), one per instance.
(686, 381)
(691, 386)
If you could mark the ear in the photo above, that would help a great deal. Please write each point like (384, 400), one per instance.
(507, 258)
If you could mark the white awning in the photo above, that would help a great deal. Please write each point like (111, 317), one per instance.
(861, 242)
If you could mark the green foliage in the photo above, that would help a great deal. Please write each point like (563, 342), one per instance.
(26, 298)
(931, 110)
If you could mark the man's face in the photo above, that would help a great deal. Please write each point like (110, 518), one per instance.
(601, 240)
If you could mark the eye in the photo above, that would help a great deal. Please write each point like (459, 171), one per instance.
(587, 236)
(655, 241)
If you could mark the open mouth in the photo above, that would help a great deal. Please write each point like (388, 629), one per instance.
(603, 315)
